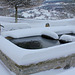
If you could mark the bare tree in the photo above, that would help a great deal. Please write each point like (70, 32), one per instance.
(22, 3)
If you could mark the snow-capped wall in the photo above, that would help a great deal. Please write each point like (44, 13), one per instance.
(30, 32)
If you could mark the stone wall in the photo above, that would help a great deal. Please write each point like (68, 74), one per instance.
(62, 62)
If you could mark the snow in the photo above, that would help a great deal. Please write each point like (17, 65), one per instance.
(63, 29)
(30, 32)
(45, 12)
(17, 52)
(47, 53)
(50, 72)
(27, 15)
(50, 33)
(14, 52)
(41, 17)
(28, 27)
(67, 38)
(68, 72)
(4, 70)
(36, 23)
(13, 26)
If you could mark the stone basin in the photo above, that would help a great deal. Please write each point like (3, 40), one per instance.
(24, 61)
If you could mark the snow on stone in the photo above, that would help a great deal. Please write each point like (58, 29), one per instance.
(30, 32)
(12, 51)
(51, 34)
(63, 29)
(67, 38)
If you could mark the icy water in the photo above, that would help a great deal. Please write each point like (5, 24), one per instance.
(36, 42)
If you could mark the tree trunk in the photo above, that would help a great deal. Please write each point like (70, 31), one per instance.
(16, 11)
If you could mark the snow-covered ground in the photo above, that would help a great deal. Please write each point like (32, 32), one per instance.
(42, 14)
(58, 26)
(57, 72)
(4, 70)
(8, 23)
(37, 26)
(51, 11)
(68, 72)
(50, 72)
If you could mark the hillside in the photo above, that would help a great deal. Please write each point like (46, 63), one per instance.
(49, 10)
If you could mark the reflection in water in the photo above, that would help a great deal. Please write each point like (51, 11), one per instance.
(35, 42)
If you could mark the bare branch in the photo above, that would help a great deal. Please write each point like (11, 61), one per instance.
(25, 3)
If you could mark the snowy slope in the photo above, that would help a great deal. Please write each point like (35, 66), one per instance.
(51, 11)
(48, 10)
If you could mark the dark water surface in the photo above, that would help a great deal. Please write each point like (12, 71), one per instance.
(36, 42)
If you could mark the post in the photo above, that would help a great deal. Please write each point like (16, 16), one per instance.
(47, 25)
(16, 13)
(0, 28)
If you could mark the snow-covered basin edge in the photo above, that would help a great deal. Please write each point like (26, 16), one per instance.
(67, 38)
(25, 56)
(30, 32)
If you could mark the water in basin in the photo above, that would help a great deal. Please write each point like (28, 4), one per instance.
(35, 42)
